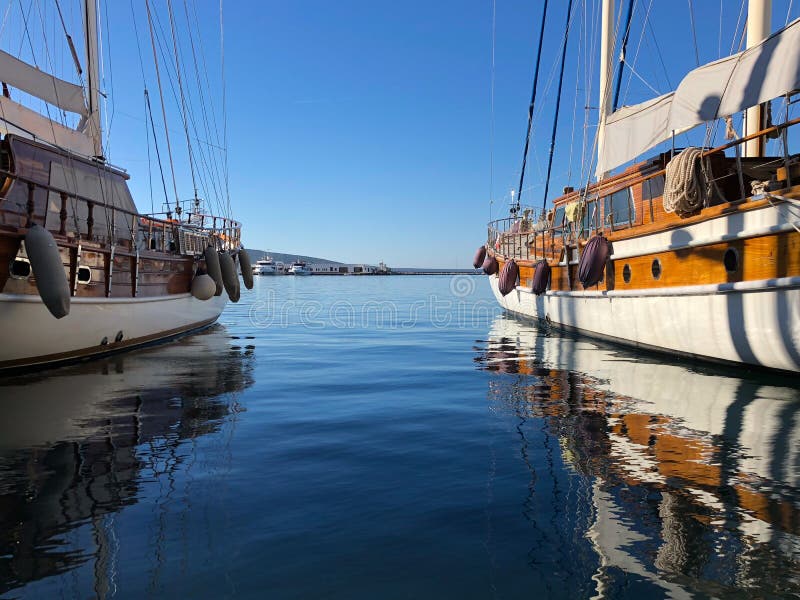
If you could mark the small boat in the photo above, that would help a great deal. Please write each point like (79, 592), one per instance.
(265, 266)
(299, 268)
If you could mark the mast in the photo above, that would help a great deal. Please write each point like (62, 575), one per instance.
(93, 77)
(606, 70)
(759, 14)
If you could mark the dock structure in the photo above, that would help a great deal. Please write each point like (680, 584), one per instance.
(335, 268)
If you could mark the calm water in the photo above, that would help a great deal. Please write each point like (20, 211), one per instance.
(396, 438)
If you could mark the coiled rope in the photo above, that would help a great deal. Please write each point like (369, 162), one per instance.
(683, 189)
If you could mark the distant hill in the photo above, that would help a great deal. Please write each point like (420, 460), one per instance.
(290, 258)
(287, 258)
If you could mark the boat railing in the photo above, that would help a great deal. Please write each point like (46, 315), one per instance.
(525, 238)
(514, 237)
(72, 215)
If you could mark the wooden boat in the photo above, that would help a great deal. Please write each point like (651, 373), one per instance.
(718, 279)
(130, 278)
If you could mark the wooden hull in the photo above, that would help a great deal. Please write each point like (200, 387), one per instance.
(756, 323)
(95, 326)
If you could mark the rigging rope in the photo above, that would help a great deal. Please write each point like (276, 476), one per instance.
(155, 144)
(558, 106)
(191, 118)
(624, 46)
(224, 106)
(161, 95)
(575, 103)
(183, 98)
(515, 208)
(212, 166)
(694, 34)
(491, 110)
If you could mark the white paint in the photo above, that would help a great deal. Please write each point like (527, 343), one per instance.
(759, 13)
(769, 219)
(607, 42)
(31, 331)
(760, 327)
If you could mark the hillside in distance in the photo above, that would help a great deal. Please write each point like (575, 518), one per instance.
(287, 258)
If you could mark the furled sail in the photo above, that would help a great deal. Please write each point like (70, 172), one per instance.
(718, 89)
(27, 78)
(17, 119)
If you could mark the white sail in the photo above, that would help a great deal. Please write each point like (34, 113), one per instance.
(631, 130)
(22, 121)
(718, 89)
(28, 78)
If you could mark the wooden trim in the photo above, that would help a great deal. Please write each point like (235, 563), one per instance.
(772, 256)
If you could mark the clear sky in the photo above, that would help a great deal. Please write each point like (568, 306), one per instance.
(361, 130)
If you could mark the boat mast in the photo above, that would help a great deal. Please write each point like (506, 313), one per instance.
(607, 41)
(759, 14)
(93, 76)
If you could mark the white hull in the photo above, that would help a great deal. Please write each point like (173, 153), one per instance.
(33, 336)
(755, 323)
(264, 271)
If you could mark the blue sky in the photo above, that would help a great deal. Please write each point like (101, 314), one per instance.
(360, 130)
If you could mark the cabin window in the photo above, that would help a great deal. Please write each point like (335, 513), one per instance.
(653, 189)
(558, 217)
(84, 275)
(619, 208)
(731, 260)
(626, 273)
(20, 268)
(655, 268)
(588, 219)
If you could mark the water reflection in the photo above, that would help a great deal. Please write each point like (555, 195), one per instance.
(684, 479)
(81, 443)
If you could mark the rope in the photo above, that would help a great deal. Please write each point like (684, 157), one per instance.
(515, 208)
(491, 109)
(224, 108)
(683, 189)
(183, 98)
(161, 95)
(624, 46)
(558, 105)
(694, 34)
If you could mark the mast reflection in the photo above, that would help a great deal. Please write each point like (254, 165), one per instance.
(689, 477)
(78, 445)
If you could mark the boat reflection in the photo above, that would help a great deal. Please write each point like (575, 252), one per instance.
(691, 475)
(79, 444)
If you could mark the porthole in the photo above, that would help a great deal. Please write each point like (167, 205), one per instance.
(20, 268)
(731, 260)
(655, 269)
(626, 273)
(84, 275)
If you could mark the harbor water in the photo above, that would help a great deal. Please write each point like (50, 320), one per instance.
(396, 437)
